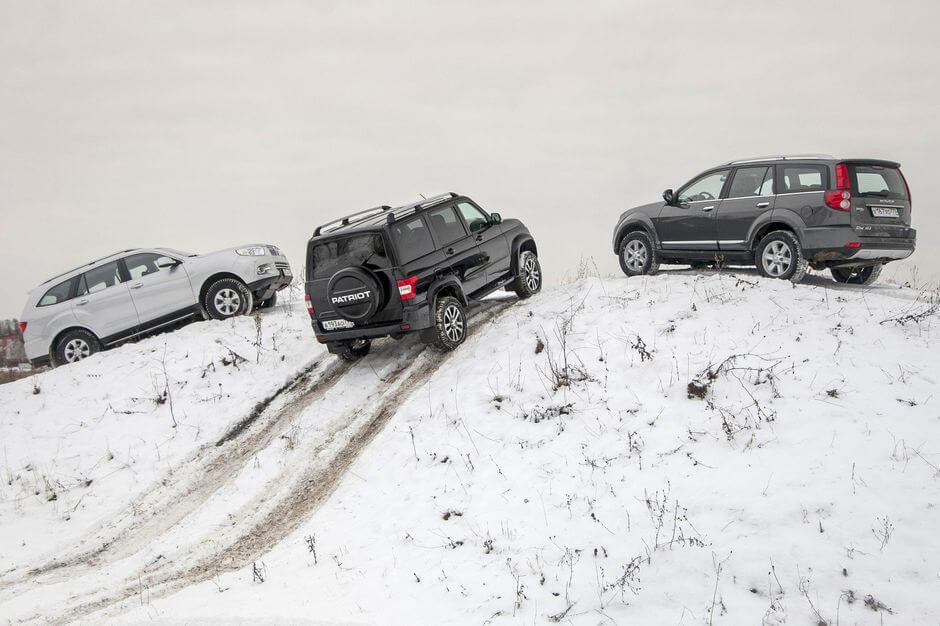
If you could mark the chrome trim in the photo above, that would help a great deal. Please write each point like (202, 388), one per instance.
(749, 197)
(678, 243)
(881, 253)
(730, 241)
(149, 330)
(781, 157)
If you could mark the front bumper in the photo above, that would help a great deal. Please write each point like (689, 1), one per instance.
(413, 319)
(264, 288)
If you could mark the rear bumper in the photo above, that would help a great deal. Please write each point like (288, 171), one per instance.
(830, 247)
(413, 319)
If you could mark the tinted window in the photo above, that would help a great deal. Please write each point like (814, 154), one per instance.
(139, 265)
(474, 217)
(884, 182)
(748, 181)
(708, 187)
(412, 239)
(803, 178)
(445, 225)
(99, 279)
(59, 293)
(767, 187)
(328, 257)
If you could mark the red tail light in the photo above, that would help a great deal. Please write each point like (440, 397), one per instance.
(841, 198)
(853, 245)
(309, 304)
(910, 200)
(23, 328)
(408, 288)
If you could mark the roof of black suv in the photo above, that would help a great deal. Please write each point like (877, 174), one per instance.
(370, 219)
(809, 157)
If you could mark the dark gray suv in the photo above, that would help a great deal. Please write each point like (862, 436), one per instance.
(783, 214)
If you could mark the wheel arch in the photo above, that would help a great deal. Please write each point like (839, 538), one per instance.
(449, 285)
(58, 336)
(777, 220)
(634, 225)
(204, 289)
(522, 243)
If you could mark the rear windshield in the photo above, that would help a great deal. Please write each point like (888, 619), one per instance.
(878, 181)
(328, 257)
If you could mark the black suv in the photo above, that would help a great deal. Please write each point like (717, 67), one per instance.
(414, 268)
(783, 214)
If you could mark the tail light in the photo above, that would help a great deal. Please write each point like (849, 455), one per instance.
(407, 288)
(23, 328)
(853, 245)
(910, 201)
(841, 198)
(309, 304)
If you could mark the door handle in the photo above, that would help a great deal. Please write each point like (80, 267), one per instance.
(82, 302)
(449, 251)
(479, 237)
(762, 205)
(137, 285)
(706, 209)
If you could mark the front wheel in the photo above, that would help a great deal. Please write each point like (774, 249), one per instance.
(856, 275)
(74, 346)
(450, 324)
(528, 280)
(637, 254)
(779, 255)
(228, 297)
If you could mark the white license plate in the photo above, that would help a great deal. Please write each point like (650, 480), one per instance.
(336, 324)
(884, 211)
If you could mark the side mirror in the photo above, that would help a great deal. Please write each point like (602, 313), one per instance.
(165, 262)
(669, 196)
(495, 218)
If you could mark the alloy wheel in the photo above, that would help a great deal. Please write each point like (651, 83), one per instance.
(532, 275)
(76, 350)
(635, 255)
(777, 258)
(227, 301)
(453, 323)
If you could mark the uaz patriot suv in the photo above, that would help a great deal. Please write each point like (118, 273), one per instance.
(783, 214)
(415, 268)
(134, 292)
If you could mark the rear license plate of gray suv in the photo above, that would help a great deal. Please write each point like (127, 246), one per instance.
(884, 211)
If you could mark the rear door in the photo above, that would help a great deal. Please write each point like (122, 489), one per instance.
(800, 189)
(691, 225)
(881, 204)
(160, 294)
(103, 303)
(490, 239)
(749, 196)
(457, 249)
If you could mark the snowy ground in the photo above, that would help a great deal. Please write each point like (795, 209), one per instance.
(682, 448)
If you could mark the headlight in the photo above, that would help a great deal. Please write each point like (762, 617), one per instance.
(252, 251)
(275, 251)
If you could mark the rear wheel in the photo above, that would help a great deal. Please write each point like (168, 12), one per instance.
(75, 345)
(450, 324)
(351, 350)
(856, 275)
(529, 278)
(779, 255)
(227, 297)
(637, 254)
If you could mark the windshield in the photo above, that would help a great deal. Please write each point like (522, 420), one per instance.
(878, 181)
(328, 257)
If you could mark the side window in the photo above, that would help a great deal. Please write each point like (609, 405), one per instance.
(802, 178)
(708, 187)
(99, 279)
(748, 181)
(412, 238)
(59, 293)
(474, 217)
(140, 265)
(767, 187)
(445, 226)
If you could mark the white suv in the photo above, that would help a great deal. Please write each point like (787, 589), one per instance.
(135, 292)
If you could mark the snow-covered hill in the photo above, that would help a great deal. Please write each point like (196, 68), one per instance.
(681, 448)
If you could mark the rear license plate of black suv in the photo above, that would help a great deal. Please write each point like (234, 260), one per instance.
(884, 211)
(336, 324)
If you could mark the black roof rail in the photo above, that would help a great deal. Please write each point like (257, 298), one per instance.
(361, 215)
(421, 204)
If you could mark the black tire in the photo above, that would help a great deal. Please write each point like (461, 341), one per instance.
(780, 255)
(268, 303)
(351, 351)
(227, 297)
(75, 345)
(856, 275)
(528, 280)
(637, 254)
(450, 324)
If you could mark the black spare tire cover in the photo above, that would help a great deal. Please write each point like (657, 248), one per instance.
(354, 294)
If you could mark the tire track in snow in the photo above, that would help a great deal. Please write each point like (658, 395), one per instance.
(234, 547)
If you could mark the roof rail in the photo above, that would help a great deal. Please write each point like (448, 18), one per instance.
(422, 204)
(89, 263)
(780, 157)
(360, 215)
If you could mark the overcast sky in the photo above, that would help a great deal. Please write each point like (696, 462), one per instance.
(201, 125)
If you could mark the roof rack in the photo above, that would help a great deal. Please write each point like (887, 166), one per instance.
(780, 157)
(423, 204)
(359, 215)
(89, 263)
